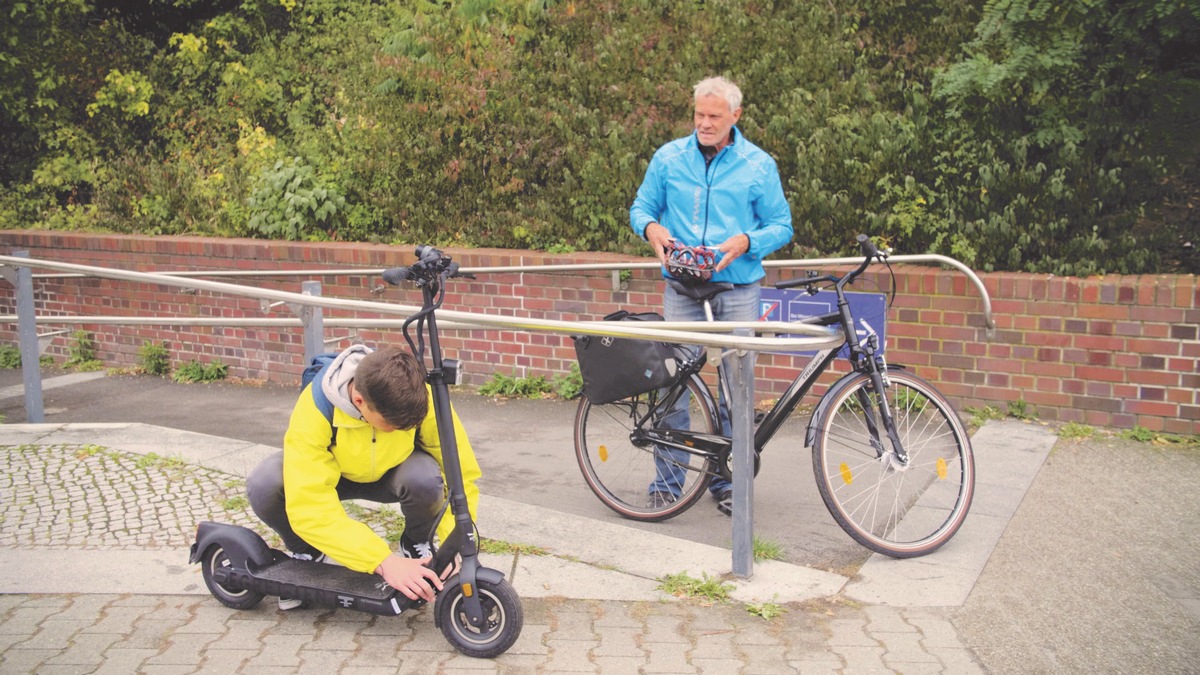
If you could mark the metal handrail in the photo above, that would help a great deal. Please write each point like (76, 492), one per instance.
(596, 267)
(817, 337)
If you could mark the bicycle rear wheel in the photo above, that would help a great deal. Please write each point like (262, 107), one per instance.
(621, 473)
(899, 511)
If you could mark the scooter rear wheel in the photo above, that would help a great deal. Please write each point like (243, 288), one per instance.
(503, 618)
(214, 559)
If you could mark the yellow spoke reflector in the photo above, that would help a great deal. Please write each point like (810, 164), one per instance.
(846, 476)
(603, 452)
(941, 468)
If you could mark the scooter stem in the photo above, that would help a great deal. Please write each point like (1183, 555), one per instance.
(443, 413)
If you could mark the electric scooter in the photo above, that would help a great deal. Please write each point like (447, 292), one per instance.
(477, 610)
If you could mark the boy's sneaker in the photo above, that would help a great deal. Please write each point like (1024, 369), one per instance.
(295, 603)
(658, 500)
(290, 603)
(415, 549)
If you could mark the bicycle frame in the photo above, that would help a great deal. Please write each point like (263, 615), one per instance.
(862, 356)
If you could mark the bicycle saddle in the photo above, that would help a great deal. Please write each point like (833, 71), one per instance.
(700, 290)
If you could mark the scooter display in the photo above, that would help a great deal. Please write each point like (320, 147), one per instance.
(477, 610)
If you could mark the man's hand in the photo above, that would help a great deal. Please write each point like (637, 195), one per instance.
(410, 576)
(733, 247)
(660, 241)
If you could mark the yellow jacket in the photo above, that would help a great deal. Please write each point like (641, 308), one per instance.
(311, 471)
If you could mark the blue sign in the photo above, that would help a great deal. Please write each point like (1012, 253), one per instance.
(868, 309)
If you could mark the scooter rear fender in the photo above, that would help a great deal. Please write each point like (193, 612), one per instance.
(242, 545)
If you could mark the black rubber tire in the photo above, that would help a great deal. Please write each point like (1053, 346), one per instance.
(619, 473)
(213, 559)
(503, 618)
(899, 512)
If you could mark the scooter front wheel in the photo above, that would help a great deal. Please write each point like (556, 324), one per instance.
(214, 559)
(502, 618)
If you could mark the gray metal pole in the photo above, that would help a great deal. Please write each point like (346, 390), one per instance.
(28, 342)
(740, 366)
(314, 322)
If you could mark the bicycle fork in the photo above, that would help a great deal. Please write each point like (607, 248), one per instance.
(899, 456)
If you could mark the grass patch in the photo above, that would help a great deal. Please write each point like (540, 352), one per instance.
(1076, 431)
(236, 503)
(1021, 410)
(979, 416)
(1143, 435)
(766, 550)
(684, 586)
(766, 610)
(194, 371)
(566, 386)
(386, 520)
(156, 461)
(499, 547)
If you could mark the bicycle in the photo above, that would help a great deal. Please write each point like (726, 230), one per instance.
(892, 460)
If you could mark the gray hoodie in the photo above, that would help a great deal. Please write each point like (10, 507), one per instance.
(336, 383)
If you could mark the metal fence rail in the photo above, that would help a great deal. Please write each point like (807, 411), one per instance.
(737, 340)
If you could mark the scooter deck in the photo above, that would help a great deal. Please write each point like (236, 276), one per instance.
(325, 577)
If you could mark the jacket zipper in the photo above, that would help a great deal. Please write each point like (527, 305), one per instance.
(708, 181)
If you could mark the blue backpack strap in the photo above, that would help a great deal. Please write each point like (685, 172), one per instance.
(323, 403)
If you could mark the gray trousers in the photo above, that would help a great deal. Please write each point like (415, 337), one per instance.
(415, 484)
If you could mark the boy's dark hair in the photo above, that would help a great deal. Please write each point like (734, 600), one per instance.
(393, 383)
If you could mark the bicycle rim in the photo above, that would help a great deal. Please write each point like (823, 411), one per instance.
(900, 511)
(620, 473)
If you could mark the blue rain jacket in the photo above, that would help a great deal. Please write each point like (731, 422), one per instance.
(738, 192)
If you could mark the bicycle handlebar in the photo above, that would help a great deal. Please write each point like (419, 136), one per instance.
(870, 253)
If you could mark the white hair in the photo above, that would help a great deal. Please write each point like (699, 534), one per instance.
(719, 86)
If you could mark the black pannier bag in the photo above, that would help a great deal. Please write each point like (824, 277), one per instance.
(616, 368)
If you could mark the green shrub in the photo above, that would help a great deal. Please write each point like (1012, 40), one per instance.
(10, 356)
(155, 358)
(291, 202)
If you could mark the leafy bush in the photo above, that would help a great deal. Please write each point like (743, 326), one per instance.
(290, 200)
(1015, 135)
(10, 356)
(155, 358)
(81, 354)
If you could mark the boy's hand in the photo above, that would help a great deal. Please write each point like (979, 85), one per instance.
(410, 576)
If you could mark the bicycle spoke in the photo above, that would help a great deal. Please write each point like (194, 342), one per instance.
(623, 474)
(894, 508)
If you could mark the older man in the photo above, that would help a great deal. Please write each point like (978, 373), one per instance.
(712, 188)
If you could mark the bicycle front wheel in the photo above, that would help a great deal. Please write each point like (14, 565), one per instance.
(898, 509)
(624, 475)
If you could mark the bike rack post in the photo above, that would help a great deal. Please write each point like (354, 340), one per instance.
(21, 277)
(740, 366)
(313, 320)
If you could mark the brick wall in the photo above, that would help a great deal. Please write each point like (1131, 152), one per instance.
(1114, 351)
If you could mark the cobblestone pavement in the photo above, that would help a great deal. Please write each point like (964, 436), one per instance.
(123, 634)
(68, 497)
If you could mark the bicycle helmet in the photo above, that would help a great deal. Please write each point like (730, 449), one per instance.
(691, 263)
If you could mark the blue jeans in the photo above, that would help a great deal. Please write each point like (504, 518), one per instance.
(742, 303)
